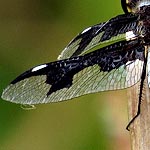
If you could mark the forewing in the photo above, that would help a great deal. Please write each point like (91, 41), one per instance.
(94, 37)
(117, 66)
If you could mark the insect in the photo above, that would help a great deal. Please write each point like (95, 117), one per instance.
(87, 66)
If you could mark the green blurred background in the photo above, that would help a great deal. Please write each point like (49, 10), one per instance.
(34, 32)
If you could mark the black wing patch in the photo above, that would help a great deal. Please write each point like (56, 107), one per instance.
(102, 33)
(113, 67)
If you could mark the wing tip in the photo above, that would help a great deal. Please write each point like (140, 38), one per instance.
(10, 97)
(5, 96)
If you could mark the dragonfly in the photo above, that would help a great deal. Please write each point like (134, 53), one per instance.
(111, 55)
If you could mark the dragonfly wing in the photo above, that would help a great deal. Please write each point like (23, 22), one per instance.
(117, 66)
(96, 36)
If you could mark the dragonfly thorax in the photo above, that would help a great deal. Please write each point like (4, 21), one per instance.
(133, 5)
(144, 16)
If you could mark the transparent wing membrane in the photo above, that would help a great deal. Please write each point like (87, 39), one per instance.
(104, 69)
(96, 36)
(34, 90)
